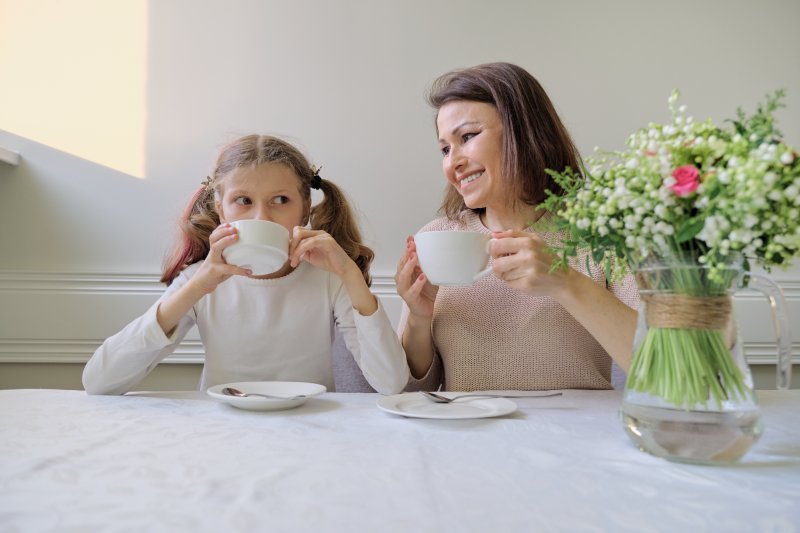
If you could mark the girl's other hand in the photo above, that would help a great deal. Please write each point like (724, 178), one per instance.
(321, 250)
(214, 269)
(412, 284)
(522, 261)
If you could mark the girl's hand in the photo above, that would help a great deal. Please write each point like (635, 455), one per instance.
(412, 284)
(321, 250)
(214, 269)
(521, 260)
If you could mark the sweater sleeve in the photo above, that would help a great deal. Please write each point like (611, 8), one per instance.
(373, 343)
(124, 359)
(626, 291)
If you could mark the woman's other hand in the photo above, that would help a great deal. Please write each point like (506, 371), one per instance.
(522, 260)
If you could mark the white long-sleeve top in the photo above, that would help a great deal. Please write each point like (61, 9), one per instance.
(258, 330)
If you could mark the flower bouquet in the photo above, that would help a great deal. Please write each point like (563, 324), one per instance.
(686, 207)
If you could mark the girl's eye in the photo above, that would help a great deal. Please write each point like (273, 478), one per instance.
(467, 136)
(242, 200)
(445, 150)
(281, 199)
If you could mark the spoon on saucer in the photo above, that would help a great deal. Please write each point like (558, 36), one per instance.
(438, 398)
(230, 391)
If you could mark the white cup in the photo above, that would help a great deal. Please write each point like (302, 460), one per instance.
(263, 246)
(452, 258)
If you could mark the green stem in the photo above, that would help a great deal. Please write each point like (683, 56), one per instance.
(686, 367)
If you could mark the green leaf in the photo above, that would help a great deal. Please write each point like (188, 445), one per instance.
(689, 230)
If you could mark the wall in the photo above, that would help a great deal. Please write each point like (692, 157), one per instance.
(83, 230)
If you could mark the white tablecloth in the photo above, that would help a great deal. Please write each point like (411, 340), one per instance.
(183, 462)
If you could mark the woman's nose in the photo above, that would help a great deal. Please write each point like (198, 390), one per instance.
(454, 161)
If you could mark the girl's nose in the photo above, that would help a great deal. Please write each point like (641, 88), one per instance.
(262, 213)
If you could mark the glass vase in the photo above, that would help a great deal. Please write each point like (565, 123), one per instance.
(689, 393)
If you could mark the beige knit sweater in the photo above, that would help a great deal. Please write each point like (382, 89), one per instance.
(489, 336)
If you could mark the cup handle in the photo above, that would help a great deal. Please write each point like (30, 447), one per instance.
(780, 319)
(482, 273)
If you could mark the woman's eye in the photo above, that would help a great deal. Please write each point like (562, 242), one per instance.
(241, 200)
(445, 150)
(467, 136)
(281, 199)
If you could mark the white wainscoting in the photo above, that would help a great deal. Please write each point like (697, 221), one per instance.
(49, 317)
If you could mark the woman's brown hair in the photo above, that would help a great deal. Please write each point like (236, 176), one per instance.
(333, 214)
(534, 138)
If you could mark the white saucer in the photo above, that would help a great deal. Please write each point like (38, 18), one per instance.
(278, 388)
(415, 405)
(260, 258)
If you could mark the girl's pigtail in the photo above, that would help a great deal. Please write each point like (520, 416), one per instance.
(197, 222)
(334, 215)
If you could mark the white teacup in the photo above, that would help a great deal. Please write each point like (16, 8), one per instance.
(453, 258)
(263, 246)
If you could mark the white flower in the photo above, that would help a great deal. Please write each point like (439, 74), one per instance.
(787, 158)
(750, 220)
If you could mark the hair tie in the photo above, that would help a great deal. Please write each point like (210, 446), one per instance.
(316, 181)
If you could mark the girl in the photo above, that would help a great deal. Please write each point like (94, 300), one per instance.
(526, 327)
(278, 326)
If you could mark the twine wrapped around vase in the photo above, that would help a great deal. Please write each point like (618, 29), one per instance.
(687, 312)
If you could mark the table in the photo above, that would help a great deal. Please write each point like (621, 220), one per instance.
(184, 462)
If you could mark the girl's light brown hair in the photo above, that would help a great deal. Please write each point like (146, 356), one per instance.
(333, 214)
(534, 138)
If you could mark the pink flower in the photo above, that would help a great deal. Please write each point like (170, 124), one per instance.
(687, 179)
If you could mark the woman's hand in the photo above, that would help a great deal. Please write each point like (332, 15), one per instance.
(522, 261)
(214, 269)
(412, 284)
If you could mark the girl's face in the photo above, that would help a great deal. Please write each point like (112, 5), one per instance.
(470, 138)
(266, 192)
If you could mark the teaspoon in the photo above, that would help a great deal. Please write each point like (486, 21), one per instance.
(230, 391)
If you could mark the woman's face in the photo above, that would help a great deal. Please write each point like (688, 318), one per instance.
(470, 138)
(270, 191)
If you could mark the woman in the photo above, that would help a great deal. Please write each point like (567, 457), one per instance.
(525, 328)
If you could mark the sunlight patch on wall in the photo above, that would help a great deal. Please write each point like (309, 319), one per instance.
(73, 77)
